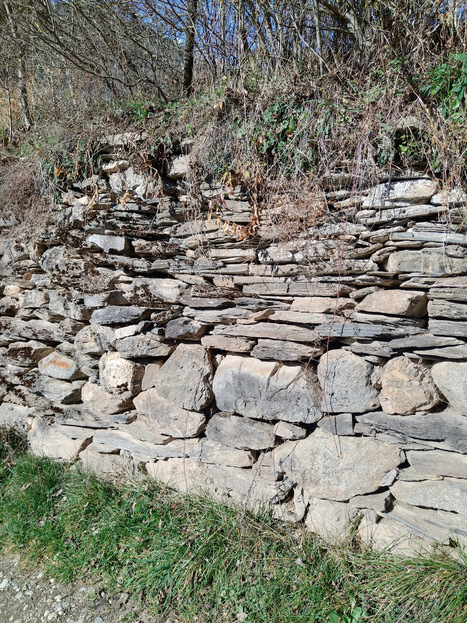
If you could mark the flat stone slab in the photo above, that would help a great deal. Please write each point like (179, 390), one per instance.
(410, 191)
(451, 310)
(229, 344)
(446, 430)
(408, 303)
(266, 390)
(143, 346)
(448, 327)
(270, 331)
(367, 331)
(427, 262)
(438, 463)
(240, 432)
(449, 494)
(339, 469)
(28, 353)
(281, 350)
(117, 314)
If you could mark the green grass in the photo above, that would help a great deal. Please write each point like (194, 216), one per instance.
(197, 558)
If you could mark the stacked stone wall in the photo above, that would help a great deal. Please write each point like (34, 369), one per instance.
(324, 375)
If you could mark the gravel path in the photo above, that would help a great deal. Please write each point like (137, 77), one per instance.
(26, 596)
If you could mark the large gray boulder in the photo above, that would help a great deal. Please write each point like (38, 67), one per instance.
(346, 382)
(407, 386)
(451, 379)
(185, 378)
(338, 468)
(267, 390)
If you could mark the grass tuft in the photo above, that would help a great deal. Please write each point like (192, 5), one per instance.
(200, 559)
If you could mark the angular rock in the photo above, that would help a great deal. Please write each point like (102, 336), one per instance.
(167, 418)
(14, 416)
(296, 288)
(331, 520)
(346, 382)
(208, 451)
(321, 304)
(109, 244)
(240, 432)
(285, 430)
(269, 331)
(124, 440)
(407, 387)
(37, 330)
(448, 327)
(426, 261)
(230, 344)
(46, 440)
(410, 191)
(58, 366)
(116, 314)
(364, 331)
(59, 391)
(142, 346)
(452, 310)
(149, 292)
(108, 466)
(185, 378)
(446, 430)
(339, 469)
(451, 379)
(408, 303)
(184, 329)
(449, 494)
(423, 341)
(103, 403)
(95, 340)
(339, 425)
(280, 350)
(179, 167)
(379, 502)
(101, 299)
(28, 353)
(266, 390)
(438, 463)
(32, 299)
(118, 375)
(185, 475)
(150, 373)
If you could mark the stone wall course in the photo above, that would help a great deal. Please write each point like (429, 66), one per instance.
(324, 374)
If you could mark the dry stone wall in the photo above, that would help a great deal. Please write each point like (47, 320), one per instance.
(325, 375)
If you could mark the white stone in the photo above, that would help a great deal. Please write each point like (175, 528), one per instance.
(118, 375)
(451, 379)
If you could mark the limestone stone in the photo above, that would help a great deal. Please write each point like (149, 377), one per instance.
(329, 519)
(184, 329)
(108, 243)
(150, 373)
(149, 292)
(425, 261)
(14, 416)
(64, 392)
(94, 340)
(230, 344)
(379, 502)
(449, 494)
(406, 387)
(118, 375)
(392, 536)
(438, 463)
(28, 353)
(58, 366)
(448, 327)
(185, 378)
(269, 331)
(168, 418)
(117, 314)
(45, 440)
(185, 475)
(346, 382)
(240, 432)
(124, 440)
(146, 429)
(178, 167)
(454, 196)
(409, 303)
(143, 346)
(364, 331)
(339, 469)
(446, 430)
(426, 340)
(31, 299)
(101, 299)
(37, 330)
(285, 430)
(429, 524)
(243, 485)
(208, 451)
(452, 310)
(101, 402)
(451, 379)
(410, 191)
(109, 466)
(321, 304)
(266, 390)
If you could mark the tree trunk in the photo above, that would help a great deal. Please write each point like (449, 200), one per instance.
(190, 31)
